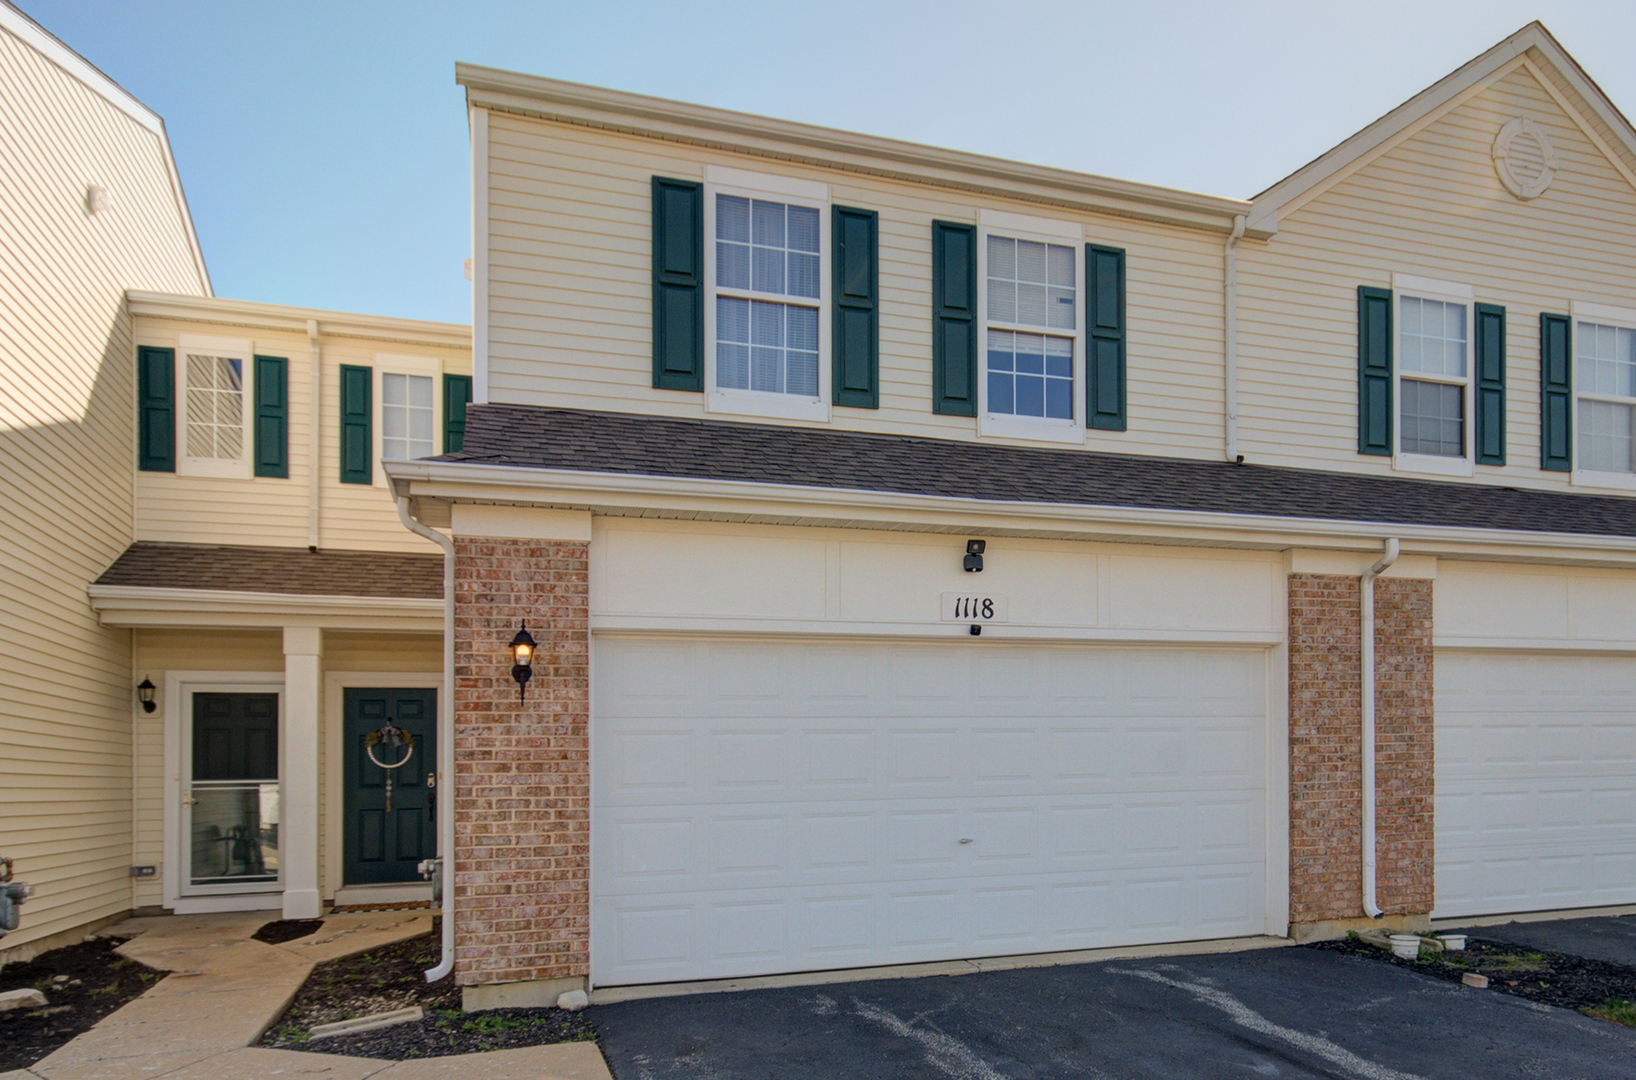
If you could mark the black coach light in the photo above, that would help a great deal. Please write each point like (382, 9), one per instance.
(144, 694)
(974, 556)
(522, 656)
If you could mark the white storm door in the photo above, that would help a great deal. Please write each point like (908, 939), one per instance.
(779, 806)
(1536, 781)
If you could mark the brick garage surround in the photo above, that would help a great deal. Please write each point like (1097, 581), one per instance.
(1326, 765)
(522, 781)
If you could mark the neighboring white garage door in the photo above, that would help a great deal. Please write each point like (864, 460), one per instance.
(1536, 782)
(785, 806)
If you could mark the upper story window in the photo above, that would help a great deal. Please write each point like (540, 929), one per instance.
(407, 415)
(1434, 350)
(767, 324)
(1033, 343)
(1605, 378)
(212, 377)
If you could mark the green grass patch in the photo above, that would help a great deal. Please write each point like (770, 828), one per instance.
(1614, 1011)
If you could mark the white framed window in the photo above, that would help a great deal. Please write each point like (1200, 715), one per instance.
(767, 297)
(1432, 384)
(408, 405)
(213, 406)
(1604, 385)
(1031, 274)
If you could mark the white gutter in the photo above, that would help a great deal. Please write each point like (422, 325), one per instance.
(1229, 291)
(445, 739)
(1367, 672)
(314, 419)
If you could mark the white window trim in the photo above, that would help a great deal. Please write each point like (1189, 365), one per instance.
(788, 190)
(1602, 315)
(180, 686)
(398, 364)
(231, 348)
(1448, 292)
(1046, 231)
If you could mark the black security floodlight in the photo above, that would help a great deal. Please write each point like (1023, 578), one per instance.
(974, 556)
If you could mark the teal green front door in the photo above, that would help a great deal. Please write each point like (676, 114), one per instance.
(390, 815)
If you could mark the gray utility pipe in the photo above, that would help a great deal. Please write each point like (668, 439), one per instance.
(1367, 599)
(445, 739)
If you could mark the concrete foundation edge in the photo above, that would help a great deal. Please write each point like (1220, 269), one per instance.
(1330, 929)
(536, 994)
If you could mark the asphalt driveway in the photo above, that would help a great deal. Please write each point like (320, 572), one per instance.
(1280, 1013)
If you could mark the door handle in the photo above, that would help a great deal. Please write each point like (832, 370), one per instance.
(965, 839)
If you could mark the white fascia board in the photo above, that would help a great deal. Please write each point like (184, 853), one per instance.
(851, 507)
(638, 114)
(143, 606)
(77, 67)
(1306, 181)
(247, 313)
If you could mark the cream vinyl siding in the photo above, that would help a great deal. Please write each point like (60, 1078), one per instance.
(1430, 207)
(65, 437)
(160, 651)
(570, 288)
(272, 511)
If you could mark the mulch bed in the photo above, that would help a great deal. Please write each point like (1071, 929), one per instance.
(98, 981)
(390, 978)
(281, 930)
(1568, 982)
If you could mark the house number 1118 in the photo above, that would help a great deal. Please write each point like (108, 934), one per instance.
(964, 607)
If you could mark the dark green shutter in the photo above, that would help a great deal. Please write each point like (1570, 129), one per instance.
(272, 417)
(1490, 384)
(1374, 370)
(156, 409)
(456, 396)
(856, 371)
(1556, 428)
(954, 318)
(678, 284)
(1105, 342)
(357, 419)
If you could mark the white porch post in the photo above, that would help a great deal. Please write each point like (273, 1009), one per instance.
(298, 775)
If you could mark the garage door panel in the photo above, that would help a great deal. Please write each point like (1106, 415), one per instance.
(1103, 799)
(1536, 782)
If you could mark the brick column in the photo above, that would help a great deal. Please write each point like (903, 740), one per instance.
(1326, 712)
(522, 784)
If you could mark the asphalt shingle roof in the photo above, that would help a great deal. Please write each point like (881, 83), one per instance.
(586, 441)
(238, 568)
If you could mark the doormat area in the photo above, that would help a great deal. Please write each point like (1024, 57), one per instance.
(408, 905)
(389, 978)
(82, 984)
(1593, 987)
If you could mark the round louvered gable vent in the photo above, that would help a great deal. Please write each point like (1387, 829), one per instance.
(1524, 158)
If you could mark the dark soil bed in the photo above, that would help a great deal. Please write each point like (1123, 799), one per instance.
(281, 930)
(98, 981)
(390, 978)
(1569, 982)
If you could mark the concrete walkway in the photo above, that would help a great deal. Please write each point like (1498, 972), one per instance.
(225, 990)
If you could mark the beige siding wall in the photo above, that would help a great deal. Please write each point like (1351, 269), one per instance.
(570, 288)
(160, 652)
(65, 483)
(1431, 207)
(262, 510)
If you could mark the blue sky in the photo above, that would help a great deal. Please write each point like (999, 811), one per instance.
(324, 149)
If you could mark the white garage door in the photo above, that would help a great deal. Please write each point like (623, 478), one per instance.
(784, 806)
(1536, 782)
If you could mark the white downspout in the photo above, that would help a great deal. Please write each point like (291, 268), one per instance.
(315, 418)
(1367, 596)
(1230, 337)
(445, 739)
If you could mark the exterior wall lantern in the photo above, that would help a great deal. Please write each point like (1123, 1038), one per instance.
(974, 556)
(144, 694)
(522, 659)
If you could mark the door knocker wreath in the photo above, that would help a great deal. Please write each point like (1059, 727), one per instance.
(392, 737)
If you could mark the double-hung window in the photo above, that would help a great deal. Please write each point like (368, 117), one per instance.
(1434, 352)
(212, 378)
(1604, 348)
(767, 311)
(1031, 273)
(408, 390)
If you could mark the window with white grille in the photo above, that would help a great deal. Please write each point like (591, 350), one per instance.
(213, 384)
(407, 416)
(1605, 374)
